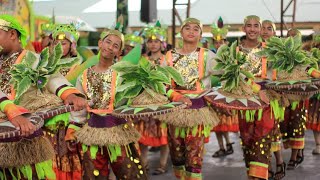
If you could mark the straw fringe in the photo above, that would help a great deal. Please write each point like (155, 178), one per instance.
(191, 117)
(118, 135)
(25, 152)
(298, 73)
(145, 99)
(35, 100)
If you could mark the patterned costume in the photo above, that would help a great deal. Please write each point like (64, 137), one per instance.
(105, 139)
(256, 135)
(67, 160)
(189, 127)
(55, 85)
(67, 32)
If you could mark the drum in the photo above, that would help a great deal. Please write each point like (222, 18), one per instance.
(47, 114)
(8, 132)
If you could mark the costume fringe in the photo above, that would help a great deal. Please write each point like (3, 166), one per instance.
(118, 135)
(191, 117)
(25, 152)
(35, 100)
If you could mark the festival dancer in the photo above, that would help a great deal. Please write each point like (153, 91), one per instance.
(105, 139)
(154, 132)
(12, 40)
(188, 128)
(227, 123)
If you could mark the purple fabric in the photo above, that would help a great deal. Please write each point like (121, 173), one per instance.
(197, 103)
(107, 121)
(3, 99)
(262, 84)
(18, 138)
(59, 88)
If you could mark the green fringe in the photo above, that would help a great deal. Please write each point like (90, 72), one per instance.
(43, 169)
(114, 151)
(53, 123)
(260, 114)
(182, 132)
(277, 110)
(250, 115)
(93, 151)
(241, 114)
(294, 105)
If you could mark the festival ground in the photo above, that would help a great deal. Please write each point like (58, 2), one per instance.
(232, 167)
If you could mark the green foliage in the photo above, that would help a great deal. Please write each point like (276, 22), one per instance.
(314, 55)
(35, 71)
(230, 61)
(285, 53)
(143, 76)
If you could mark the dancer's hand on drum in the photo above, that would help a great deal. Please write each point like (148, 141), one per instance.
(79, 103)
(184, 100)
(25, 126)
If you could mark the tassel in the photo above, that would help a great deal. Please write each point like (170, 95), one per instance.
(183, 133)
(294, 105)
(194, 131)
(93, 151)
(260, 114)
(176, 132)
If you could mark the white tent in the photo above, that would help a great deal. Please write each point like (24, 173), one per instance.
(101, 13)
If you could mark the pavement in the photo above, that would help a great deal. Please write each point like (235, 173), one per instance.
(232, 167)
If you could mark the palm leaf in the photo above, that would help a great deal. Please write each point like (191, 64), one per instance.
(157, 75)
(44, 58)
(133, 91)
(124, 66)
(68, 62)
(22, 87)
(29, 59)
(175, 75)
(125, 86)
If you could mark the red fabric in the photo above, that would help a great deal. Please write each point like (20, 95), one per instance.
(226, 128)
(206, 140)
(61, 175)
(101, 163)
(314, 127)
(37, 46)
(154, 141)
(253, 131)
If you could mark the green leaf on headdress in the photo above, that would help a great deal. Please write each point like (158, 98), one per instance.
(134, 55)
(158, 24)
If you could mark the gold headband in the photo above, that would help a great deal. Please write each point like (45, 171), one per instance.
(4, 25)
(192, 21)
(104, 34)
(254, 17)
(270, 22)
